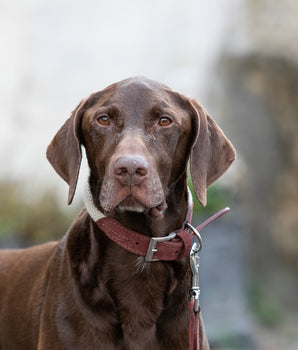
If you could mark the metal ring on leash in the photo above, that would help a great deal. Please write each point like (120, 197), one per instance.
(197, 233)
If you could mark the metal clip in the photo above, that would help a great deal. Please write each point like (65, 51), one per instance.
(195, 288)
(195, 265)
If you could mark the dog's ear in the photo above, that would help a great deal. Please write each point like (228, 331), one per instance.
(64, 152)
(211, 155)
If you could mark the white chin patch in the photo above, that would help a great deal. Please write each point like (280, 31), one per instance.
(135, 209)
(95, 213)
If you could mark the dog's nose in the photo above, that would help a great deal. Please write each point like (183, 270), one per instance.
(130, 170)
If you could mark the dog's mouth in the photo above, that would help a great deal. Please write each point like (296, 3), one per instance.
(131, 204)
(147, 197)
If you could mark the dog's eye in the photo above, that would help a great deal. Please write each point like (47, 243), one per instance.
(164, 121)
(104, 120)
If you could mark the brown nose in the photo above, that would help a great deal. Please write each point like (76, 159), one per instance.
(130, 170)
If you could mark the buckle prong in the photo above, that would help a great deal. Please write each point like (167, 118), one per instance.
(153, 243)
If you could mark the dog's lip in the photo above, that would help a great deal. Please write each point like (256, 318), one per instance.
(158, 211)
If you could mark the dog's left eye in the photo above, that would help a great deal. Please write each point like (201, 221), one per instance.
(104, 120)
(164, 121)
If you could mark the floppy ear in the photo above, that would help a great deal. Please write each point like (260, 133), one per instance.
(64, 152)
(211, 155)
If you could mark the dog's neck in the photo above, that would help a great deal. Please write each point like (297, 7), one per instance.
(159, 227)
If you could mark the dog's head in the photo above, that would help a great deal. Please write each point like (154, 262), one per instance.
(139, 135)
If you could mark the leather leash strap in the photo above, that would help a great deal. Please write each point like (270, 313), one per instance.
(194, 327)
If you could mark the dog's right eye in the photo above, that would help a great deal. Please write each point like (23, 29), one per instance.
(104, 120)
(164, 121)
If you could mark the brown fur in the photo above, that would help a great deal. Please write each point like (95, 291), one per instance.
(85, 292)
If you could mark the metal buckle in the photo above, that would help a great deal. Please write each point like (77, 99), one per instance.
(153, 243)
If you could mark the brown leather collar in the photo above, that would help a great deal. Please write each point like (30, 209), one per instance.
(175, 246)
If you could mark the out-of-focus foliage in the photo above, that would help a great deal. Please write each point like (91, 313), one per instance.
(35, 218)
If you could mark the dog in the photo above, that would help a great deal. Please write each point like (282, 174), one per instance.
(87, 291)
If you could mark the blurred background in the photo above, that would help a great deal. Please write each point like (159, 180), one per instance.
(239, 58)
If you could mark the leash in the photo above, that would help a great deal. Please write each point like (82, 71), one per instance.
(194, 303)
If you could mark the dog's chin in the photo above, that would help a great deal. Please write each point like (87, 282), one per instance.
(131, 204)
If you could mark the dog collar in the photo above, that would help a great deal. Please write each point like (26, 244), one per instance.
(175, 246)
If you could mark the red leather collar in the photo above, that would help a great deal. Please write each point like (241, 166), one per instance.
(176, 246)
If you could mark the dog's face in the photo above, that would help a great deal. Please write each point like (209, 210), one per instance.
(139, 136)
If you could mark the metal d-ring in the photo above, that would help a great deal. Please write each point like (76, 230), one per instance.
(198, 236)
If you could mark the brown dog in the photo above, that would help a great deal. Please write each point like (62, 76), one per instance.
(87, 292)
